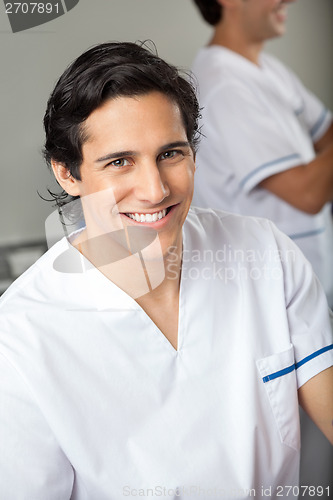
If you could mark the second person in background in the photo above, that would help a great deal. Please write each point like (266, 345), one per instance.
(268, 145)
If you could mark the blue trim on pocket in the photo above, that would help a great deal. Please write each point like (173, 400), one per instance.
(295, 366)
(268, 164)
(278, 374)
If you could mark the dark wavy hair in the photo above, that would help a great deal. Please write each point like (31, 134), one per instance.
(210, 10)
(108, 71)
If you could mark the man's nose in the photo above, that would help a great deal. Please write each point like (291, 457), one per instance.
(151, 187)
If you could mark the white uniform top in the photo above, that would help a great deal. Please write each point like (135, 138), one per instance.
(95, 403)
(258, 121)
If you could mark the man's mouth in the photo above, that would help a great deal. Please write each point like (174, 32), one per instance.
(151, 217)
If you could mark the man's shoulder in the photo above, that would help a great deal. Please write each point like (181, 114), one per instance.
(226, 217)
(221, 71)
(215, 60)
(214, 224)
(35, 280)
(228, 62)
(247, 239)
(216, 64)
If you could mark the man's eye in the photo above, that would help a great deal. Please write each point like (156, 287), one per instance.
(168, 155)
(121, 162)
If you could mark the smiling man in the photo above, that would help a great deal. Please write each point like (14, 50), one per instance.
(149, 185)
(119, 380)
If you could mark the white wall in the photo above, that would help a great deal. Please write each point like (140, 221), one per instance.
(31, 61)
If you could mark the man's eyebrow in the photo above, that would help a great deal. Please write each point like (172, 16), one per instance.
(122, 154)
(177, 144)
(112, 156)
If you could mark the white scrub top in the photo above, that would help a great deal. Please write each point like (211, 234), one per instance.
(95, 403)
(259, 121)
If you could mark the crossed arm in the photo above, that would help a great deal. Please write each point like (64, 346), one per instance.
(307, 187)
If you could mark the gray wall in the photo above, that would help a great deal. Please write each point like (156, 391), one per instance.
(31, 61)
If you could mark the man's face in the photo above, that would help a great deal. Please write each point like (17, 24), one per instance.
(264, 19)
(137, 168)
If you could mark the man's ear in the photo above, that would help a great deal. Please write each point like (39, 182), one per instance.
(65, 179)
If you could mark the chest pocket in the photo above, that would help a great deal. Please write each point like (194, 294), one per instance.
(279, 379)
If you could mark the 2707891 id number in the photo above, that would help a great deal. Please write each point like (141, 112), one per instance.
(31, 8)
(301, 491)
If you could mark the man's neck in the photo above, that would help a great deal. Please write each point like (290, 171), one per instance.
(235, 41)
(121, 264)
(167, 293)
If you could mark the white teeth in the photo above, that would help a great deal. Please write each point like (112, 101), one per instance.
(148, 217)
